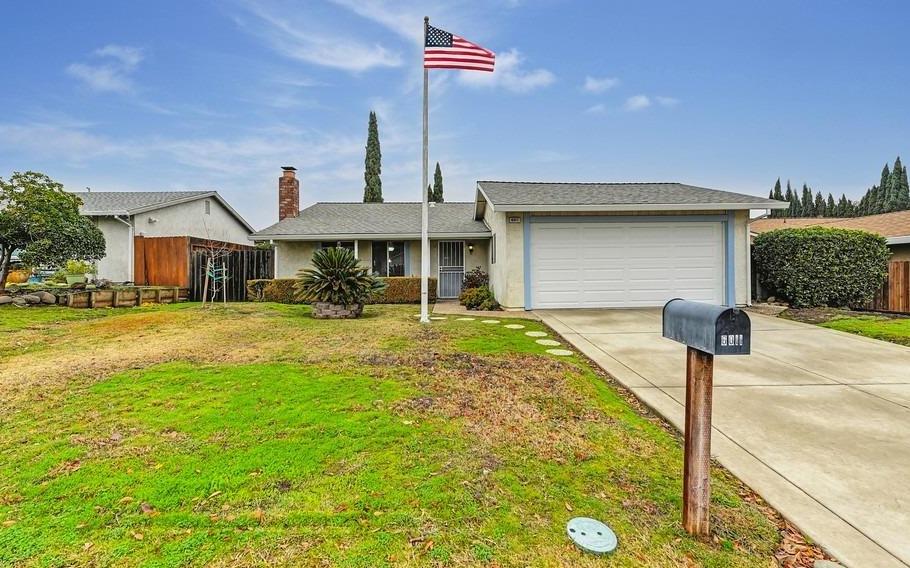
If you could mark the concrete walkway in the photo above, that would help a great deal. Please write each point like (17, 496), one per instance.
(815, 420)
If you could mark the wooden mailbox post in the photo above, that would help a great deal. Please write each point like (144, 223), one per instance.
(706, 330)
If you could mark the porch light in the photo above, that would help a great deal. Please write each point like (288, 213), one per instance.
(471, 248)
(391, 248)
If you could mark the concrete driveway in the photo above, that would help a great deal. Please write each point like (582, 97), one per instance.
(816, 421)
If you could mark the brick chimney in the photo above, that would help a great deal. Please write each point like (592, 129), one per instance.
(288, 193)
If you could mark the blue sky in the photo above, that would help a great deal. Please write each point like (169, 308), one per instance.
(206, 94)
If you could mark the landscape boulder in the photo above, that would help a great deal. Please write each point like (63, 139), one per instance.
(47, 297)
(6, 300)
(32, 299)
(19, 301)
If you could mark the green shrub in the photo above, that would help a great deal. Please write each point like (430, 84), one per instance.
(478, 299)
(399, 290)
(337, 277)
(279, 290)
(476, 278)
(403, 290)
(821, 266)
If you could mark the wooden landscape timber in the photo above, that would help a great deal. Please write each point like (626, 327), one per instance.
(124, 298)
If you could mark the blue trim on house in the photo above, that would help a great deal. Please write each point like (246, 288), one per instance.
(730, 260)
(526, 228)
(628, 218)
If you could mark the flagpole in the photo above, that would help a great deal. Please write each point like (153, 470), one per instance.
(425, 211)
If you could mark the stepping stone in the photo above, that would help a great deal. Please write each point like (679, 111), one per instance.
(535, 334)
(489, 321)
(560, 352)
(514, 326)
(548, 342)
(438, 317)
(466, 319)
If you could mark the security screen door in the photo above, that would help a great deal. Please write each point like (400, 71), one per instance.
(451, 268)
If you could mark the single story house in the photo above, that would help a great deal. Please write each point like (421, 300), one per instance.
(126, 217)
(545, 245)
(895, 227)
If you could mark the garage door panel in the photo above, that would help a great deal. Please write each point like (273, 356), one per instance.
(602, 264)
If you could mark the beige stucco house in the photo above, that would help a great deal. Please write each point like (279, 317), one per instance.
(545, 245)
(124, 215)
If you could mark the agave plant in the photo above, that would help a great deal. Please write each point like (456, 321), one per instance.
(336, 278)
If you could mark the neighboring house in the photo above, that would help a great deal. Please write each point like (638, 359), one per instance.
(124, 215)
(545, 245)
(895, 227)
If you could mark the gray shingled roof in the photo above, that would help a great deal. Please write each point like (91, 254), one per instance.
(135, 202)
(377, 219)
(511, 193)
(120, 202)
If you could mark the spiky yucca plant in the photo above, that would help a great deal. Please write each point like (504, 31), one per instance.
(336, 278)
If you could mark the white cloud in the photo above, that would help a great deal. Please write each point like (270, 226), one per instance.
(509, 74)
(599, 108)
(400, 19)
(130, 57)
(636, 103)
(100, 78)
(299, 40)
(113, 74)
(594, 85)
(667, 101)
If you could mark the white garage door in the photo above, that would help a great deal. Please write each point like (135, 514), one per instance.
(598, 264)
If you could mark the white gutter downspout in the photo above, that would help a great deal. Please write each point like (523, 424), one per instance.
(132, 252)
(274, 258)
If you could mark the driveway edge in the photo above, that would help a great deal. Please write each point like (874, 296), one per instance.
(850, 546)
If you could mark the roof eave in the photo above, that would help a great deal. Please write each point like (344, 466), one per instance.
(509, 208)
(368, 236)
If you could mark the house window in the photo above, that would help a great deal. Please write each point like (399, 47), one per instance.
(208, 207)
(340, 244)
(388, 258)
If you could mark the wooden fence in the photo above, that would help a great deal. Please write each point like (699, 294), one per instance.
(895, 293)
(161, 261)
(181, 262)
(240, 266)
(124, 298)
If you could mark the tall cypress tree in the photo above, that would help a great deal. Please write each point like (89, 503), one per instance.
(372, 190)
(437, 185)
(819, 205)
(903, 192)
(880, 195)
(831, 207)
(808, 204)
(791, 196)
(777, 194)
(894, 187)
(843, 207)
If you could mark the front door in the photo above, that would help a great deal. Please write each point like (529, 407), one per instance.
(451, 268)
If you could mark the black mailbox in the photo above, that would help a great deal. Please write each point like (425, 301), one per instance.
(717, 330)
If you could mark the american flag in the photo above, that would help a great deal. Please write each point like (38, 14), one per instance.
(443, 50)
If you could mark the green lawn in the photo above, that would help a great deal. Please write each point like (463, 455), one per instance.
(252, 434)
(896, 330)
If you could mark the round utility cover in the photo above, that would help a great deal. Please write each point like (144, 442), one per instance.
(591, 535)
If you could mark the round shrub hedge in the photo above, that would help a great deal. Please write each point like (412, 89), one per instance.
(821, 266)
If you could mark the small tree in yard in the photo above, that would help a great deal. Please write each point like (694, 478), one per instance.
(337, 285)
(821, 266)
(42, 221)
